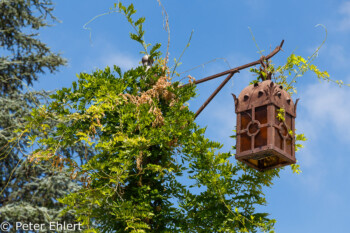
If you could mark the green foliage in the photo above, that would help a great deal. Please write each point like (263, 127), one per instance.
(281, 114)
(147, 148)
(295, 67)
(27, 56)
(145, 141)
(27, 192)
(137, 25)
(302, 138)
(148, 166)
(298, 66)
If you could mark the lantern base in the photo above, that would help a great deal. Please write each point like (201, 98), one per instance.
(265, 158)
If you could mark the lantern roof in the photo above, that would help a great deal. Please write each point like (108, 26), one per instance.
(264, 93)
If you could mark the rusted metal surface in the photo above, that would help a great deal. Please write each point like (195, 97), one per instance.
(264, 93)
(264, 141)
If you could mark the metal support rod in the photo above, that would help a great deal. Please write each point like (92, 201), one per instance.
(273, 53)
(214, 93)
(231, 72)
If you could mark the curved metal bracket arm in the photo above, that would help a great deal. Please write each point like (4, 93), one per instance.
(231, 72)
(273, 53)
(214, 93)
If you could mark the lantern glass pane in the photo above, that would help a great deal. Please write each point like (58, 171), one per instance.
(252, 161)
(278, 139)
(289, 121)
(261, 138)
(289, 146)
(245, 142)
(246, 117)
(261, 114)
(270, 161)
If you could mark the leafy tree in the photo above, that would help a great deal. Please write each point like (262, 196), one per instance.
(147, 150)
(27, 193)
(146, 141)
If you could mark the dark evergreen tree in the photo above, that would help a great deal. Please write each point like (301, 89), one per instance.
(28, 193)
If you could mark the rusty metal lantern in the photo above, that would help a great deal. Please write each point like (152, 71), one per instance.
(264, 141)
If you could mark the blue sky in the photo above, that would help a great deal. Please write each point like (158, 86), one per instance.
(316, 200)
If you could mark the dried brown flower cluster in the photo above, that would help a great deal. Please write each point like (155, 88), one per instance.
(191, 79)
(158, 91)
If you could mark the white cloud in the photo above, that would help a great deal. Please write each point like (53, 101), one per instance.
(124, 61)
(328, 106)
(255, 4)
(324, 110)
(323, 115)
(345, 8)
(344, 23)
(313, 180)
(336, 53)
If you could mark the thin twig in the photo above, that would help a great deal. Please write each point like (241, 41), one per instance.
(313, 56)
(183, 51)
(205, 63)
(93, 19)
(256, 44)
(166, 27)
(273, 53)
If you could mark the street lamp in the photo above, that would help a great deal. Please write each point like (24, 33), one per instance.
(264, 140)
